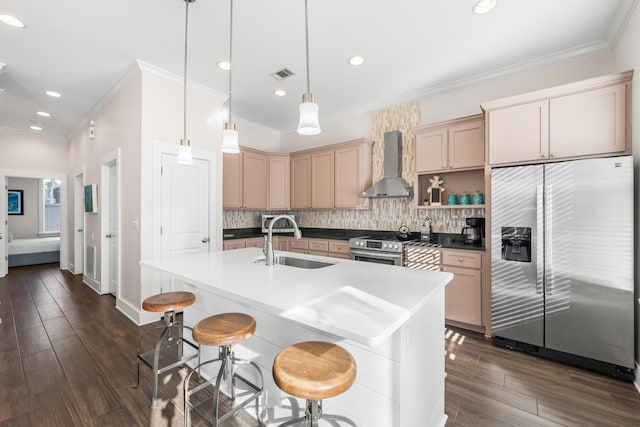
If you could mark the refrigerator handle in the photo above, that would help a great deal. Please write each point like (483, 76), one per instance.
(539, 239)
(548, 240)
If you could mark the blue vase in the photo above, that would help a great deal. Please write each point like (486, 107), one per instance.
(452, 199)
(464, 199)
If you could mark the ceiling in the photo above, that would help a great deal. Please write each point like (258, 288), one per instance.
(83, 48)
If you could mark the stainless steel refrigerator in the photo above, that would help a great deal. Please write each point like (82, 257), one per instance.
(562, 261)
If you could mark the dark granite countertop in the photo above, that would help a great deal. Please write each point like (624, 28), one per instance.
(447, 240)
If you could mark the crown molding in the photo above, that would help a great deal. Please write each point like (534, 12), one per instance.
(257, 126)
(577, 52)
(620, 21)
(174, 78)
(6, 130)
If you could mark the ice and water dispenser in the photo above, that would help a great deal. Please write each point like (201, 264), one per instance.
(516, 244)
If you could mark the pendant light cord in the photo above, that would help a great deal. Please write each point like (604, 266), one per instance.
(186, 28)
(230, 53)
(306, 34)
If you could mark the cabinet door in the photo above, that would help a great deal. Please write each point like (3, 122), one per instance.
(232, 180)
(463, 296)
(466, 145)
(431, 151)
(300, 181)
(254, 242)
(255, 180)
(348, 172)
(279, 170)
(519, 133)
(228, 245)
(322, 179)
(283, 243)
(586, 123)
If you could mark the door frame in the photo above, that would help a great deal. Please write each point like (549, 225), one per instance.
(79, 242)
(111, 159)
(64, 202)
(163, 147)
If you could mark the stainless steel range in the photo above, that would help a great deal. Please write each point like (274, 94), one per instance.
(381, 251)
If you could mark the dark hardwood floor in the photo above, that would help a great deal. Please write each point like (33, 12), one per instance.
(67, 358)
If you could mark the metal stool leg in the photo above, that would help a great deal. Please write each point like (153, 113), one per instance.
(226, 372)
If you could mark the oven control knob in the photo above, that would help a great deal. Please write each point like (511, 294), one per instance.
(395, 246)
(384, 246)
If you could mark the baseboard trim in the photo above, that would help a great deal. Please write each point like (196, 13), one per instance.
(139, 317)
(92, 283)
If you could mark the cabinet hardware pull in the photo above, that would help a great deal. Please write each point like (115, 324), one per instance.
(543, 154)
(461, 259)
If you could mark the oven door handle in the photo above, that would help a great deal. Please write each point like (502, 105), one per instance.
(372, 254)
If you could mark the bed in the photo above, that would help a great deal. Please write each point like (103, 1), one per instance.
(41, 250)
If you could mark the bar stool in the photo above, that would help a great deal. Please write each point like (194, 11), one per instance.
(166, 303)
(224, 330)
(314, 370)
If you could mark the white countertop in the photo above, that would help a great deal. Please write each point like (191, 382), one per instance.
(360, 301)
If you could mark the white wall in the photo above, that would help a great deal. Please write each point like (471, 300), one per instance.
(162, 121)
(25, 226)
(117, 124)
(626, 55)
(24, 151)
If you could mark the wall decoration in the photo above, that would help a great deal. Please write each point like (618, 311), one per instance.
(91, 198)
(15, 202)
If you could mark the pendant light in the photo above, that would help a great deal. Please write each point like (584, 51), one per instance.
(184, 150)
(309, 123)
(230, 134)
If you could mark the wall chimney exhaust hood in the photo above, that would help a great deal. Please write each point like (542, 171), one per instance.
(392, 185)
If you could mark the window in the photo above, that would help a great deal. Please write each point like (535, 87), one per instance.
(51, 206)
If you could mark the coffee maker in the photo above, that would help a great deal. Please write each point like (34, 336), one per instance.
(473, 233)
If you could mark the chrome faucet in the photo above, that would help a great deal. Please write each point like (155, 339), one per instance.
(269, 257)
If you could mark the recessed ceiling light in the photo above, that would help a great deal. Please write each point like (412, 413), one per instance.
(53, 94)
(224, 65)
(280, 92)
(483, 6)
(12, 20)
(34, 127)
(43, 114)
(356, 60)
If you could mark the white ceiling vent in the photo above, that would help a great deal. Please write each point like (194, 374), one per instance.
(282, 74)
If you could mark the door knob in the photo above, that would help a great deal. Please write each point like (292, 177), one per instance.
(79, 230)
(108, 236)
(205, 239)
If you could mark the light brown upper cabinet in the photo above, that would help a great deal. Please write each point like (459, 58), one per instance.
(586, 118)
(332, 176)
(322, 179)
(232, 181)
(300, 180)
(244, 180)
(254, 180)
(279, 171)
(452, 145)
(353, 172)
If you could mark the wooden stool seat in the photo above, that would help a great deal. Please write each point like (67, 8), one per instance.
(224, 329)
(314, 370)
(168, 301)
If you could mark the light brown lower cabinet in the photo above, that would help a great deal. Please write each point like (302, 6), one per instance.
(228, 245)
(254, 242)
(463, 295)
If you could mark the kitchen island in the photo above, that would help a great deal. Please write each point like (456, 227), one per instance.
(390, 318)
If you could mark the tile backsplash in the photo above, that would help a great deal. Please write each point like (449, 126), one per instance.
(385, 214)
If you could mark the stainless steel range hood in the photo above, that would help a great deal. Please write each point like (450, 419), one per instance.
(392, 185)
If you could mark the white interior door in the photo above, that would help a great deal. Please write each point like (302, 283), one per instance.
(78, 225)
(4, 232)
(185, 205)
(113, 230)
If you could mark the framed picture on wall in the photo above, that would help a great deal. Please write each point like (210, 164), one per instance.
(91, 198)
(15, 202)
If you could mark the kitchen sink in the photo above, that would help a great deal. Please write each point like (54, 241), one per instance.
(298, 262)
